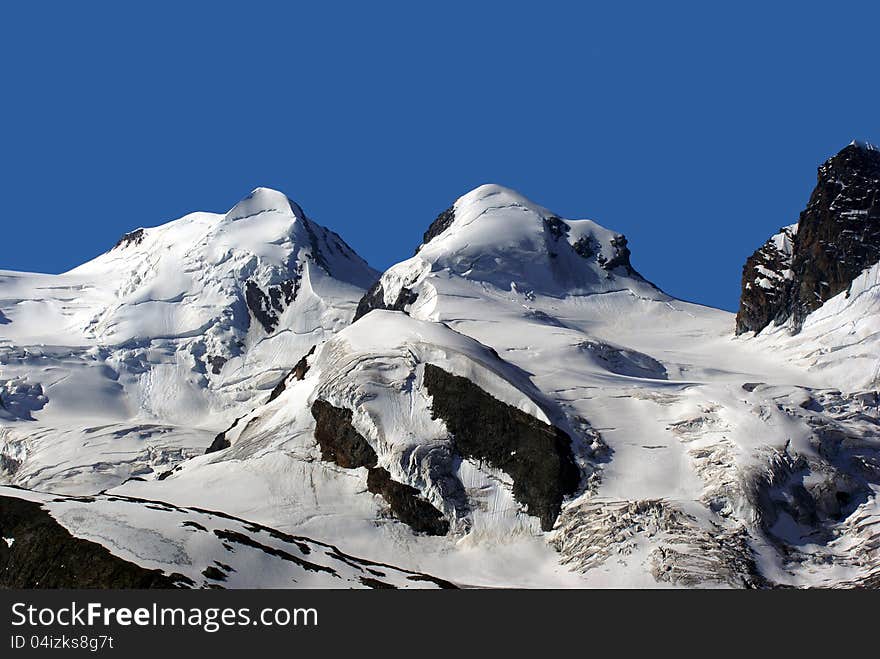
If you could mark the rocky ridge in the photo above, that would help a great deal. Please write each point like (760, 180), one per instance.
(835, 239)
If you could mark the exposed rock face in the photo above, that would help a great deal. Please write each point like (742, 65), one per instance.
(267, 306)
(220, 441)
(338, 439)
(342, 444)
(621, 257)
(537, 456)
(406, 504)
(297, 373)
(839, 232)
(589, 248)
(837, 237)
(302, 366)
(217, 362)
(556, 226)
(131, 238)
(438, 226)
(766, 283)
(43, 554)
(8, 465)
(375, 299)
(192, 547)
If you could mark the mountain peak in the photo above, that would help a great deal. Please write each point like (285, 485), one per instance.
(492, 225)
(865, 146)
(476, 203)
(262, 200)
(497, 192)
(490, 197)
(836, 238)
(857, 159)
(495, 236)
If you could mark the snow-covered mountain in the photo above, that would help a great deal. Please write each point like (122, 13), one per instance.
(811, 291)
(494, 238)
(836, 237)
(767, 279)
(117, 542)
(145, 352)
(514, 405)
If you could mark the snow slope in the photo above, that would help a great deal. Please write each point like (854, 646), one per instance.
(840, 340)
(208, 549)
(515, 405)
(682, 432)
(163, 340)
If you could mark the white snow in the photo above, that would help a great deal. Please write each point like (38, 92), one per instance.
(863, 145)
(650, 388)
(840, 339)
(125, 341)
(181, 541)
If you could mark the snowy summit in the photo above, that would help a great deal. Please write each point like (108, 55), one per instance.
(511, 406)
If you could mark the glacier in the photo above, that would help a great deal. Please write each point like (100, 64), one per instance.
(512, 406)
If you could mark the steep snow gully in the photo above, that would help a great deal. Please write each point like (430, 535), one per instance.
(239, 400)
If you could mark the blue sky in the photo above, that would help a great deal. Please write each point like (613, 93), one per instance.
(694, 128)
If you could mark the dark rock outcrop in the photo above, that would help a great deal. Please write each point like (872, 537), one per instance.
(406, 504)
(375, 299)
(44, 554)
(438, 226)
(621, 257)
(839, 232)
(235, 537)
(220, 442)
(838, 236)
(342, 444)
(217, 362)
(339, 441)
(557, 226)
(135, 237)
(214, 573)
(588, 247)
(266, 306)
(766, 283)
(302, 366)
(298, 372)
(537, 456)
(279, 388)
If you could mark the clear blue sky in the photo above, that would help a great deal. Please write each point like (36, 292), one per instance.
(694, 129)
